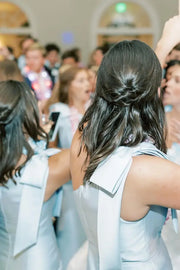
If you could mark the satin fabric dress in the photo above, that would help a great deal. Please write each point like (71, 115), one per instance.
(113, 242)
(27, 238)
(69, 230)
(171, 238)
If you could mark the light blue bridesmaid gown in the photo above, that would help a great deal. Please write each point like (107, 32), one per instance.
(114, 243)
(69, 230)
(170, 237)
(27, 238)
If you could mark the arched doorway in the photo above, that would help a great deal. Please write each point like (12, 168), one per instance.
(116, 20)
(15, 24)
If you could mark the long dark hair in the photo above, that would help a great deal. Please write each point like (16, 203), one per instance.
(19, 119)
(126, 109)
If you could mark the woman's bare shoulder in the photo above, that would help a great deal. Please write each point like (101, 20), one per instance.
(155, 180)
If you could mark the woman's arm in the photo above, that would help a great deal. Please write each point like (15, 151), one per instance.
(151, 181)
(59, 172)
(170, 37)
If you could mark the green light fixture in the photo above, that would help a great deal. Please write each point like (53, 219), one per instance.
(121, 7)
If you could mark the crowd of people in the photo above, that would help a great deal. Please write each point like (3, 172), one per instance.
(40, 65)
(99, 195)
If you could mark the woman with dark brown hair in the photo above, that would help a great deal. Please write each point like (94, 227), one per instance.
(29, 177)
(71, 99)
(122, 180)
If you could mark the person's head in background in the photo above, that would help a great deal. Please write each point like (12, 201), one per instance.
(19, 120)
(35, 57)
(8, 53)
(172, 88)
(9, 71)
(77, 51)
(92, 72)
(174, 54)
(169, 69)
(26, 43)
(70, 57)
(74, 87)
(52, 54)
(171, 66)
(99, 53)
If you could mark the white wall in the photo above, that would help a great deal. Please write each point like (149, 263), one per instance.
(52, 18)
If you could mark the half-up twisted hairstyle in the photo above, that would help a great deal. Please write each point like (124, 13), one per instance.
(126, 109)
(19, 119)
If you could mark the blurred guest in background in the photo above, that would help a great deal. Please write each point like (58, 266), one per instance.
(77, 51)
(70, 57)
(52, 62)
(98, 54)
(35, 74)
(71, 100)
(25, 44)
(7, 52)
(92, 71)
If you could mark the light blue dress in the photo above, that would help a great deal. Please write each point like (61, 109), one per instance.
(27, 238)
(70, 233)
(113, 242)
(170, 237)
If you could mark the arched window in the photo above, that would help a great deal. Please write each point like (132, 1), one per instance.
(115, 21)
(14, 25)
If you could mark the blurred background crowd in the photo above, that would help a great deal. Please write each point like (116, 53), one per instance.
(62, 75)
